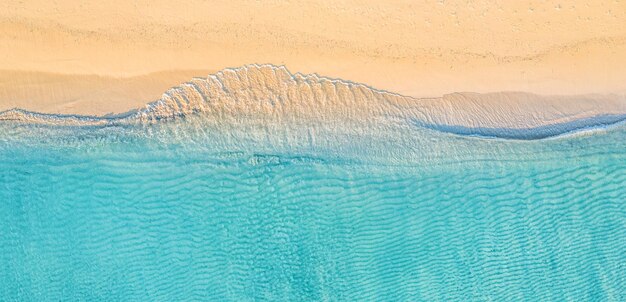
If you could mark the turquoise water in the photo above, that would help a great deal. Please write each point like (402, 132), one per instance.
(181, 212)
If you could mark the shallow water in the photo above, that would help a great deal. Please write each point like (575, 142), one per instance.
(186, 211)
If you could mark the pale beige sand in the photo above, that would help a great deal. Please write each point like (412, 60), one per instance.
(413, 48)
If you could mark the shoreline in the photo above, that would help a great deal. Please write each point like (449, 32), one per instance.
(252, 90)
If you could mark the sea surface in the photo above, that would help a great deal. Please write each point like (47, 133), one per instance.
(189, 209)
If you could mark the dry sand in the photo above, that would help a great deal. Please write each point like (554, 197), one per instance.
(100, 57)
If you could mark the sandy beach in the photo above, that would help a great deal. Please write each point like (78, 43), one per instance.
(100, 58)
(313, 150)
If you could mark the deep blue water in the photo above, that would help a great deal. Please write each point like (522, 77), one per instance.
(103, 215)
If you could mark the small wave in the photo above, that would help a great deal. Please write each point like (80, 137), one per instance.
(276, 95)
(587, 125)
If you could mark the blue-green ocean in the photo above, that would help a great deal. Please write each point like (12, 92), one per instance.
(181, 211)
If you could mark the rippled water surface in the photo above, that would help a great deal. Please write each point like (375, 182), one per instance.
(149, 213)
